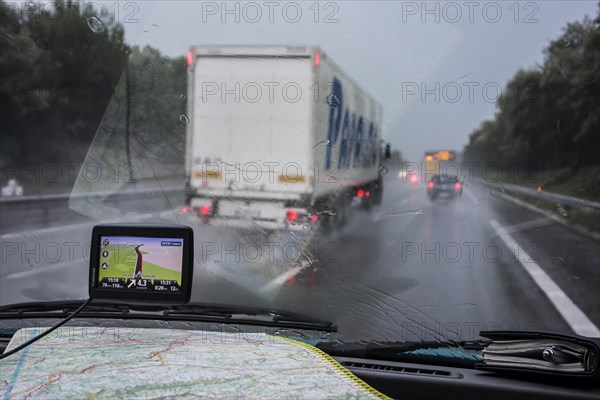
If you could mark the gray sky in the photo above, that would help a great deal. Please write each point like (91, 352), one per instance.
(460, 52)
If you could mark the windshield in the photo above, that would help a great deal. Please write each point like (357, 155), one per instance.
(297, 140)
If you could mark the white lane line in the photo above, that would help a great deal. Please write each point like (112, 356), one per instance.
(471, 195)
(572, 314)
(280, 280)
(50, 268)
(523, 226)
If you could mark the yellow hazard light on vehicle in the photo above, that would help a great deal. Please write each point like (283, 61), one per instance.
(428, 158)
(199, 174)
(291, 178)
(443, 155)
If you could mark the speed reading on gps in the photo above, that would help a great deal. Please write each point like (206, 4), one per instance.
(141, 263)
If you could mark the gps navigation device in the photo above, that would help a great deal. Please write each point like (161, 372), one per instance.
(141, 263)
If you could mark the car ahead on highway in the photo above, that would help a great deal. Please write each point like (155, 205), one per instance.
(448, 186)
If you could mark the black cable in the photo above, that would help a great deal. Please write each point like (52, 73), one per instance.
(46, 332)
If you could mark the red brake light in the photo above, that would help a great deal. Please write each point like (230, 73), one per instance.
(367, 194)
(206, 210)
(360, 193)
(314, 217)
(457, 186)
(413, 178)
(292, 214)
(185, 210)
(317, 59)
(189, 58)
(430, 185)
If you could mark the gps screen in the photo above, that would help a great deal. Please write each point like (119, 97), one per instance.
(150, 264)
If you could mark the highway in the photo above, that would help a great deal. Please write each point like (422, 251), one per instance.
(409, 270)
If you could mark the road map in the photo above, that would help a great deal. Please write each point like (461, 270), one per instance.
(141, 258)
(94, 362)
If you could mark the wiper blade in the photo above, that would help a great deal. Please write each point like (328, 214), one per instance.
(251, 315)
(62, 307)
(201, 312)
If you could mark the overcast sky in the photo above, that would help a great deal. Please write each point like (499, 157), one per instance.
(394, 50)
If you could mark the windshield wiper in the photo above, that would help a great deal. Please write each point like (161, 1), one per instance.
(251, 315)
(189, 312)
(60, 307)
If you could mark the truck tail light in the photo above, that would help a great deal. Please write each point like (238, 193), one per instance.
(360, 193)
(430, 185)
(292, 215)
(190, 58)
(457, 186)
(206, 210)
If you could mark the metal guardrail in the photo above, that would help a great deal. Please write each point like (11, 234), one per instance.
(549, 196)
(41, 211)
(67, 196)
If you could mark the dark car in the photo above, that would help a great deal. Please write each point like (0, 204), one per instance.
(444, 186)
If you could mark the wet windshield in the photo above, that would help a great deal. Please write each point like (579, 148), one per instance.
(298, 139)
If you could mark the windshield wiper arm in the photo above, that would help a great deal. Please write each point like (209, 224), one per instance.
(191, 312)
(62, 307)
(251, 315)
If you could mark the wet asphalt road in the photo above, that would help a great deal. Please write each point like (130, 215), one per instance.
(409, 270)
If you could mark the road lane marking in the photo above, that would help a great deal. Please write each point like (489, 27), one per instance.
(280, 280)
(572, 314)
(523, 226)
(471, 196)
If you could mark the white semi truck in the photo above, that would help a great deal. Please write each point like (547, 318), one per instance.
(278, 136)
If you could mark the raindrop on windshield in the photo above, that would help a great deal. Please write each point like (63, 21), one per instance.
(320, 143)
(561, 210)
(233, 186)
(332, 100)
(42, 43)
(558, 260)
(95, 24)
(182, 97)
(383, 170)
(183, 118)
(497, 191)
(564, 42)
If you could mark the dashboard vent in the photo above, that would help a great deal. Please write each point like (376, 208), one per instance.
(400, 369)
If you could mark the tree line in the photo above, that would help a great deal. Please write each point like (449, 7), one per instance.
(548, 116)
(64, 70)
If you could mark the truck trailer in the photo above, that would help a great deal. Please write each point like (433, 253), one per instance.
(279, 137)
